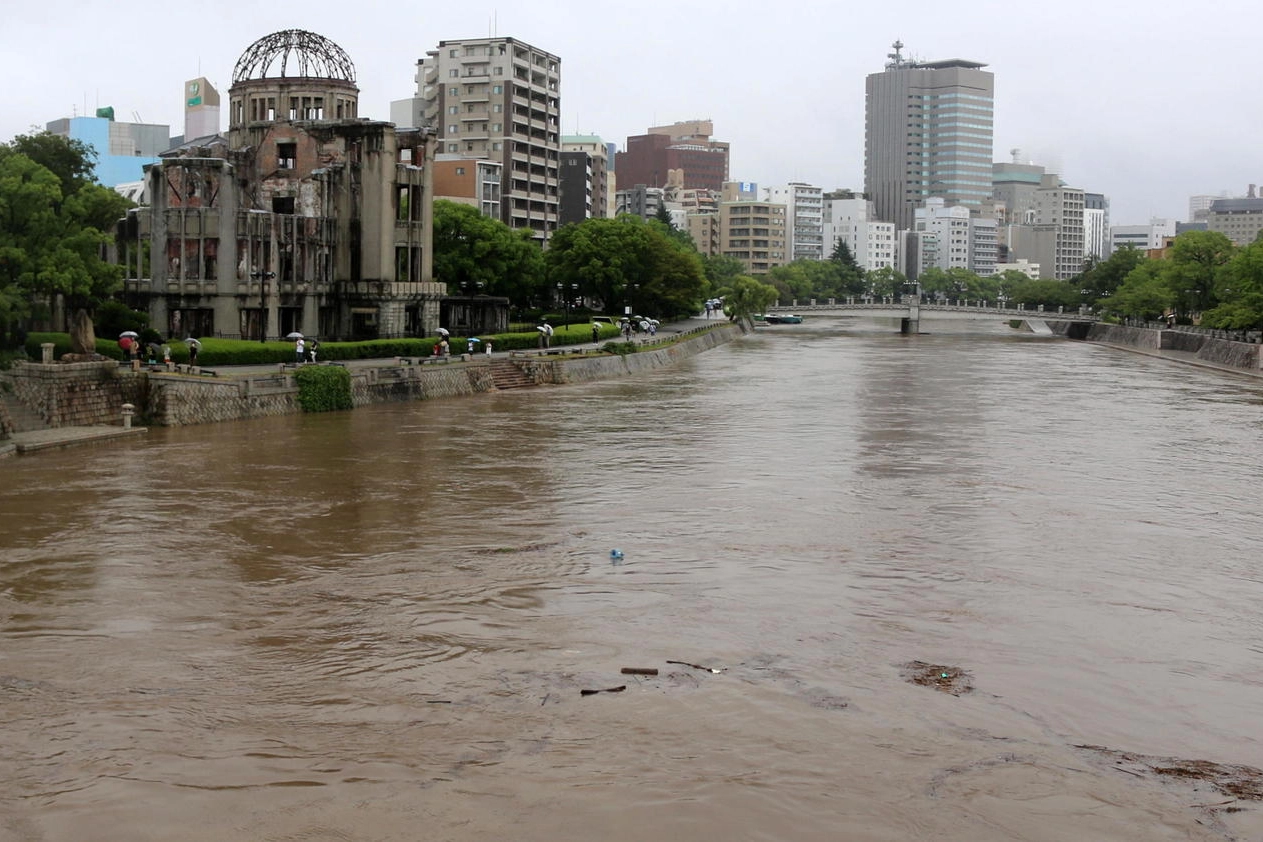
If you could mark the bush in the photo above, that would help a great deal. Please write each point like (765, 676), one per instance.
(114, 317)
(620, 348)
(323, 388)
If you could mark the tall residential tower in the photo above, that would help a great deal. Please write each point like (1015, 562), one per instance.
(497, 99)
(927, 133)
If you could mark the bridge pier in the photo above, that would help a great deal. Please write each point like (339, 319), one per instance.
(911, 324)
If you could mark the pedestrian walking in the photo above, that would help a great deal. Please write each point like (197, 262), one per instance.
(596, 332)
(194, 347)
(300, 351)
(487, 345)
(311, 349)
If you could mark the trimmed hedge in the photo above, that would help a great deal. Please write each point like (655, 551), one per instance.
(323, 388)
(248, 352)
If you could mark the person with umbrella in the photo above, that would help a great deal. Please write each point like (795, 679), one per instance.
(300, 348)
(194, 347)
(129, 342)
(596, 332)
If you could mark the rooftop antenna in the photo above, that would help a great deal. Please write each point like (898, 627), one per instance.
(896, 58)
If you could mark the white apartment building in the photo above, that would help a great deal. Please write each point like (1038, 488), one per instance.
(1030, 270)
(1096, 226)
(950, 227)
(854, 221)
(1142, 237)
(804, 210)
(959, 240)
(497, 98)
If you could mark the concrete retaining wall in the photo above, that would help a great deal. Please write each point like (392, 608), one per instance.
(1223, 352)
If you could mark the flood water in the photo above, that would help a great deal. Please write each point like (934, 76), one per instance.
(376, 625)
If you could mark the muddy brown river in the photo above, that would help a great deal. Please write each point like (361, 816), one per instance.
(377, 625)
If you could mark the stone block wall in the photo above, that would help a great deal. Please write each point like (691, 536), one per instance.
(69, 394)
(77, 394)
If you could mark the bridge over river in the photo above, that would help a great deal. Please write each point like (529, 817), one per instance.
(911, 311)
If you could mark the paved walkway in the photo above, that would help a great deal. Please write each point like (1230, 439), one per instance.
(64, 437)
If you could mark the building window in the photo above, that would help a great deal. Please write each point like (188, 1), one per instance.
(285, 155)
(453, 109)
(495, 146)
(453, 129)
(454, 73)
(453, 147)
(451, 54)
(497, 89)
(497, 108)
(460, 170)
(453, 91)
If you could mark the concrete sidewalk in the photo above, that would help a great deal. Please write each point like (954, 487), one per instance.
(35, 440)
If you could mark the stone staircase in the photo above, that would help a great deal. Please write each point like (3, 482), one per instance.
(507, 375)
(23, 418)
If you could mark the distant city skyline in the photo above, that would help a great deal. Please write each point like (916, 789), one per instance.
(1113, 109)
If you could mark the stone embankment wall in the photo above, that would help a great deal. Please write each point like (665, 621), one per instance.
(78, 394)
(180, 400)
(585, 370)
(1221, 352)
(177, 400)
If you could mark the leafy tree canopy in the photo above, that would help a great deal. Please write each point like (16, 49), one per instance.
(1144, 294)
(745, 296)
(55, 226)
(474, 254)
(1239, 290)
(628, 262)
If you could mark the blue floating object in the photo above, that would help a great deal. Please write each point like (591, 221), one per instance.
(616, 553)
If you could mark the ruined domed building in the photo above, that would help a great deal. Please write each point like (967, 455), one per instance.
(305, 217)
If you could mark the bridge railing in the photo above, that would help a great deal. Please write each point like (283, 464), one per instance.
(864, 302)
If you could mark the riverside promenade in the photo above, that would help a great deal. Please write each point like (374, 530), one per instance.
(34, 440)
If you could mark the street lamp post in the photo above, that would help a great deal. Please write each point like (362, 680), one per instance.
(263, 277)
(561, 290)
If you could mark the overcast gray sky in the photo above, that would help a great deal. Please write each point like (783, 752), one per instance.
(1146, 102)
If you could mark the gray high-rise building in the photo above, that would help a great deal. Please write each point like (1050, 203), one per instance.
(927, 133)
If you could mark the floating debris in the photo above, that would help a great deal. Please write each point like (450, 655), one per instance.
(1241, 782)
(952, 680)
(639, 670)
(620, 688)
(698, 666)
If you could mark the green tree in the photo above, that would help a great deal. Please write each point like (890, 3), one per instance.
(52, 242)
(71, 161)
(721, 270)
(1239, 291)
(628, 262)
(842, 254)
(1050, 293)
(1144, 294)
(1101, 278)
(1192, 268)
(747, 296)
(474, 253)
(885, 281)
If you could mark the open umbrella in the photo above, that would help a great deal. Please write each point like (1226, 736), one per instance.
(193, 343)
(474, 339)
(294, 335)
(131, 334)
